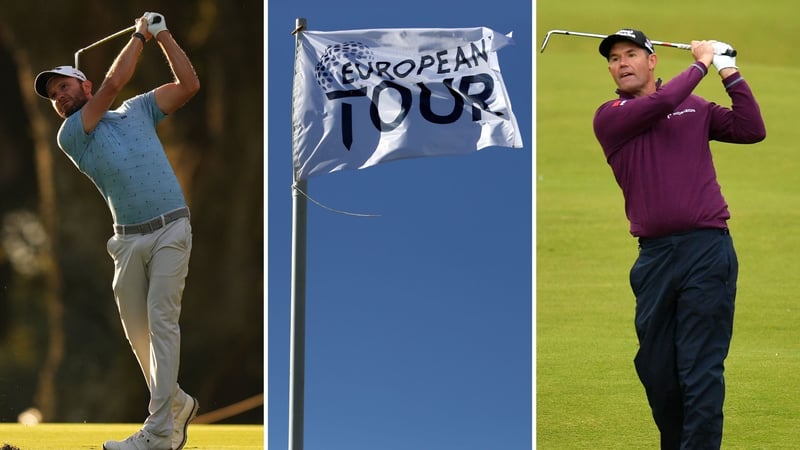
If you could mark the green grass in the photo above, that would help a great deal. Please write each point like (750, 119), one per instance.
(91, 436)
(587, 392)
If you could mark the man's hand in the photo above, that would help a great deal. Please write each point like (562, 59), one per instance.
(141, 27)
(721, 61)
(703, 51)
(155, 23)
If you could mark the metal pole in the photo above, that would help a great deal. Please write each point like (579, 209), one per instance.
(297, 350)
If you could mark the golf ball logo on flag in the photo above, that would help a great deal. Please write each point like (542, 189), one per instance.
(336, 57)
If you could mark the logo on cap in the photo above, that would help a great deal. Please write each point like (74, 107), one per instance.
(630, 33)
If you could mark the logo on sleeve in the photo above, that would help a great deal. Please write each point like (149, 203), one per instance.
(618, 103)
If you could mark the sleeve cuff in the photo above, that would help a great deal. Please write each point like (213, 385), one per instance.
(701, 67)
(734, 78)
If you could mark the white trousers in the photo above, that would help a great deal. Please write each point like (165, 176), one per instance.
(149, 276)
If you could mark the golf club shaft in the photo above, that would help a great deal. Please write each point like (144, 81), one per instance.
(603, 36)
(102, 41)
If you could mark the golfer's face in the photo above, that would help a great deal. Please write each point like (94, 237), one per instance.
(631, 67)
(66, 94)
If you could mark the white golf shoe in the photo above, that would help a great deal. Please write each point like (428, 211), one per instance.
(141, 440)
(182, 414)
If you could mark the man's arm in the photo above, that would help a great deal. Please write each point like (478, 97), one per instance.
(118, 75)
(742, 123)
(171, 96)
(617, 121)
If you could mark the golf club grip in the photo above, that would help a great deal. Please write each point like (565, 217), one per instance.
(730, 52)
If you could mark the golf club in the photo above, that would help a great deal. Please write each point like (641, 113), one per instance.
(102, 41)
(119, 33)
(603, 36)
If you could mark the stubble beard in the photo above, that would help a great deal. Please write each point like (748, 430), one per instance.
(76, 105)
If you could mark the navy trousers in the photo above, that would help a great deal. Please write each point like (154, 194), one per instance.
(685, 287)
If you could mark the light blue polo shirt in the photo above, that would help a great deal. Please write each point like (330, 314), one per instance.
(125, 160)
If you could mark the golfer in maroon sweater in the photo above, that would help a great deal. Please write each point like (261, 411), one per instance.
(656, 140)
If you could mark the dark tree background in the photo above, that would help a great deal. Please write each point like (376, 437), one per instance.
(62, 348)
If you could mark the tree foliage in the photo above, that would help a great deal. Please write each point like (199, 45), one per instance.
(62, 347)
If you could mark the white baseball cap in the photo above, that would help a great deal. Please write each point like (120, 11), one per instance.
(40, 85)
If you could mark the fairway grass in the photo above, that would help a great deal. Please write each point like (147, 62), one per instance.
(79, 436)
(587, 393)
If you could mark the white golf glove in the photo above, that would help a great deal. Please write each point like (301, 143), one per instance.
(721, 61)
(155, 23)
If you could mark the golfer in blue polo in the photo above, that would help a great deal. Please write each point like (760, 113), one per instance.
(121, 153)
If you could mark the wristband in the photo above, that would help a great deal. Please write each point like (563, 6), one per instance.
(139, 36)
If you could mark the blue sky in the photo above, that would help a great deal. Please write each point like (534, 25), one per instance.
(419, 322)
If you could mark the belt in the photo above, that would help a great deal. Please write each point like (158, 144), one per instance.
(722, 231)
(152, 224)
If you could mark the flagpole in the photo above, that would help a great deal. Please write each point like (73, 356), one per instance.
(297, 346)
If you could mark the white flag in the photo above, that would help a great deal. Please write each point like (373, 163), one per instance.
(364, 97)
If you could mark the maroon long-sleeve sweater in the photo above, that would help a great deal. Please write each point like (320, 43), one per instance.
(658, 149)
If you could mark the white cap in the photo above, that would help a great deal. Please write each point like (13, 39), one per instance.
(40, 85)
